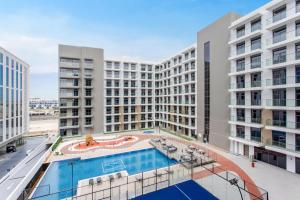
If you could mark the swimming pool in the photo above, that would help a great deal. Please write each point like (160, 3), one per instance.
(58, 176)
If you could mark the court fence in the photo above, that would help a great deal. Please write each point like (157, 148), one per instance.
(220, 182)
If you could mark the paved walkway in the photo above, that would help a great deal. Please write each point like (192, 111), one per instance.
(281, 184)
(225, 163)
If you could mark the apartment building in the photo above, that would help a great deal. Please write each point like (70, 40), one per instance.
(175, 93)
(14, 91)
(129, 95)
(264, 88)
(81, 90)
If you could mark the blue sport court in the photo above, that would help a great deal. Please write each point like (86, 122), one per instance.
(188, 190)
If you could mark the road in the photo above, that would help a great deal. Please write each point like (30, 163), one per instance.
(9, 160)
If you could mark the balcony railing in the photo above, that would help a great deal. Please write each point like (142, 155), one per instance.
(246, 119)
(241, 85)
(284, 145)
(283, 81)
(284, 124)
(283, 102)
(290, 57)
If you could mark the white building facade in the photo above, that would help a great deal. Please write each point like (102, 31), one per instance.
(14, 91)
(265, 84)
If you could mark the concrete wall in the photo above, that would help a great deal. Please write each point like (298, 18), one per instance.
(218, 35)
(97, 81)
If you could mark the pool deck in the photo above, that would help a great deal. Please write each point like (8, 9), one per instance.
(143, 142)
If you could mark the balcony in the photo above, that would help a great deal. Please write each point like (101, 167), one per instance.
(290, 81)
(71, 65)
(283, 125)
(69, 74)
(68, 95)
(243, 52)
(68, 115)
(282, 18)
(246, 85)
(69, 104)
(286, 103)
(248, 33)
(68, 85)
(291, 36)
(246, 121)
(252, 141)
(283, 147)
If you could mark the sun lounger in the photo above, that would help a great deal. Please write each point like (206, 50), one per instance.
(155, 140)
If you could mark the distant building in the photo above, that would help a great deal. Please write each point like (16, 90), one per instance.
(38, 103)
(14, 74)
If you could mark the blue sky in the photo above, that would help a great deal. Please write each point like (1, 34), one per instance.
(141, 29)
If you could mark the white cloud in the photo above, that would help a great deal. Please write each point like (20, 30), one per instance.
(34, 38)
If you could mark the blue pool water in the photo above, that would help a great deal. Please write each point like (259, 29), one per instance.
(59, 174)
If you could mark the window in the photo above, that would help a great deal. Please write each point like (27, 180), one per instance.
(297, 117)
(297, 28)
(240, 113)
(256, 43)
(279, 76)
(255, 61)
(240, 65)
(255, 134)
(88, 82)
(297, 6)
(240, 48)
(240, 131)
(297, 74)
(279, 139)
(240, 31)
(240, 98)
(279, 97)
(279, 35)
(240, 81)
(279, 13)
(256, 116)
(255, 98)
(88, 121)
(297, 94)
(279, 55)
(279, 118)
(297, 51)
(256, 25)
(256, 79)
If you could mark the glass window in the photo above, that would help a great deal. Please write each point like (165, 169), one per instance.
(240, 31)
(1, 75)
(255, 98)
(240, 65)
(279, 97)
(7, 77)
(279, 35)
(297, 51)
(297, 74)
(240, 48)
(256, 25)
(255, 134)
(279, 76)
(256, 79)
(256, 43)
(255, 61)
(279, 118)
(240, 131)
(1, 58)
(279, 55)
(279, 138)
(240, 81)
(297, 28)
(298, 6)
(279, 13)
(256, 116)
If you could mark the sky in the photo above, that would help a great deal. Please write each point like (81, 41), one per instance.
(149, 30)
